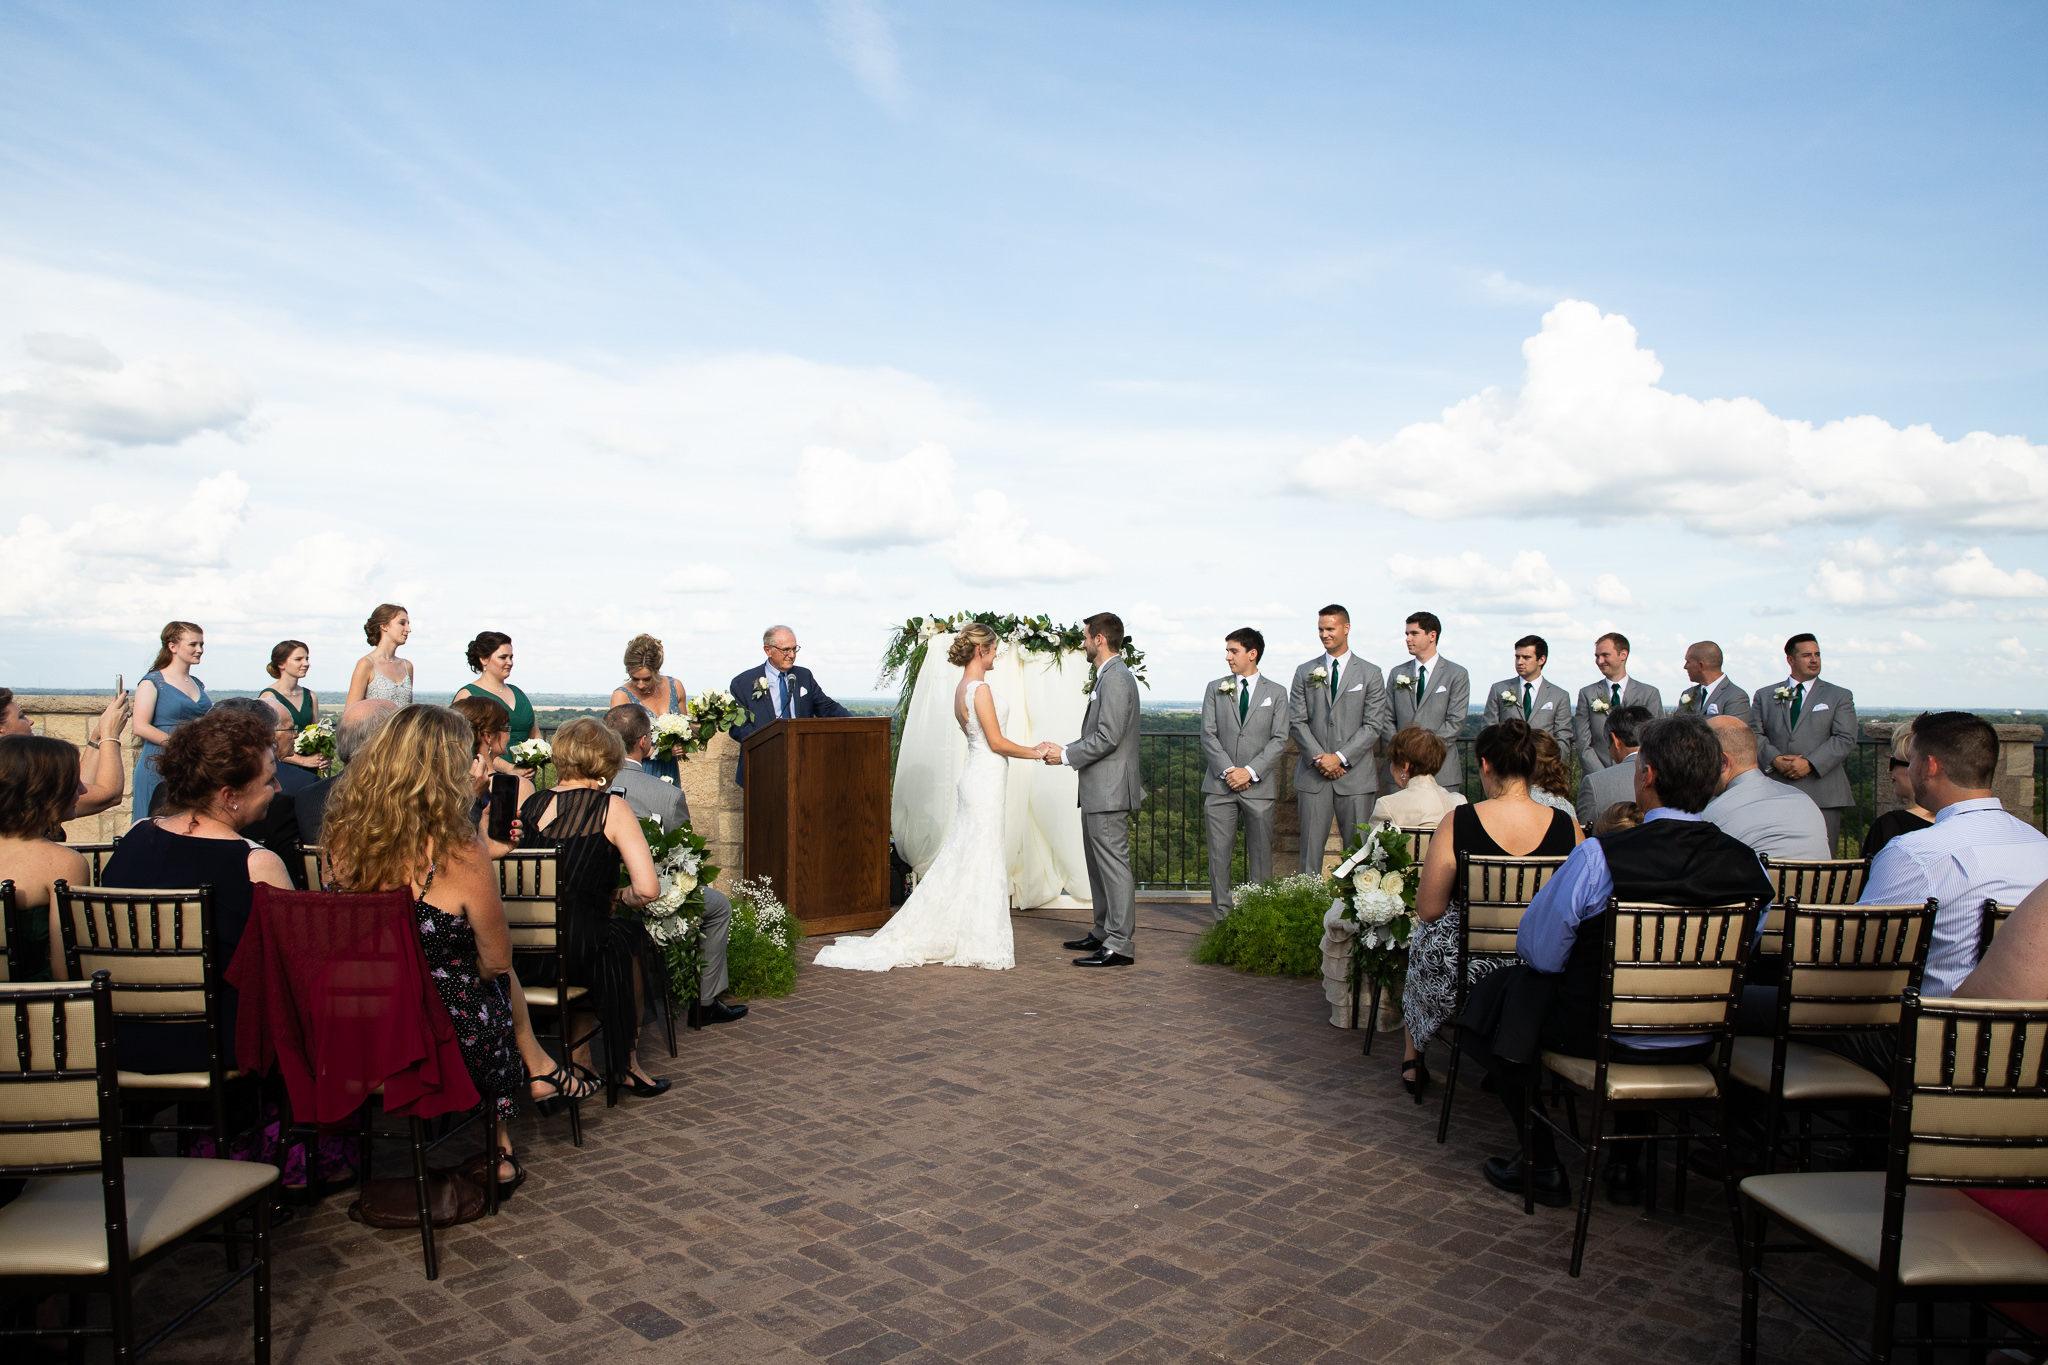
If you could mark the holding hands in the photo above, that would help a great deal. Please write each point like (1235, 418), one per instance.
(1049, 754)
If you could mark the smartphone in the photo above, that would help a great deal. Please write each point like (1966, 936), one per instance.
(120, 683)
(504, 805)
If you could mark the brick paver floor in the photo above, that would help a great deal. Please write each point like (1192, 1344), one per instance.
(1161, 1163)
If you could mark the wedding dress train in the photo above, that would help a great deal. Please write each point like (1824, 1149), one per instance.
(959, 913)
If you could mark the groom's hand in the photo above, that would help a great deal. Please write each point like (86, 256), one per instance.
(1054, 755)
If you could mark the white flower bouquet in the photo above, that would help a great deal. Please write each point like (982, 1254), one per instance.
(315, 741)
(531, 753)
(674, 735)
(1375, 887)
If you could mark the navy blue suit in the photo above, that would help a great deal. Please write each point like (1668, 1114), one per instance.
(806, 698)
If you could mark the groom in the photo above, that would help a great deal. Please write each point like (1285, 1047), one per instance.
(1106, 757)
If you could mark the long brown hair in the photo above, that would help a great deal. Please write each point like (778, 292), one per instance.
(38, 782)
(172, 633)
(1551, 774)
(404, 801)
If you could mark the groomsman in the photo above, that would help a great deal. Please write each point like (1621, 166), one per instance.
(1806, 730)
(1337, 711)
(1432, 693)
(1713, 693)
(1244, 731)
(1616, 690)
(1530, 695)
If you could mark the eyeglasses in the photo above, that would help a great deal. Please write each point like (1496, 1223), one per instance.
(783, 649)
(1902, 763)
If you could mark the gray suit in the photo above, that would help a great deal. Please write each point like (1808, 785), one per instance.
(1590, 726)
(647, 795)
(1255, 743)
(1723, 698)
(1349, 725)
(1777, 820)
(1106, 759)
(1442, 712)
(1825, 737)
(1552, 711)
(1602, 787)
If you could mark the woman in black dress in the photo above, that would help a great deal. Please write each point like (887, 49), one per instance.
(1910, 814)
(595, 834)
(1507, 824)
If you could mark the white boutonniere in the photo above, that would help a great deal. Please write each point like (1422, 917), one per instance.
(1226, 687)
(1319, 674)
(670, 780)
(761, 686)
(1405, 680)
(1507, 694)
(1782, 693)
(1601, 706)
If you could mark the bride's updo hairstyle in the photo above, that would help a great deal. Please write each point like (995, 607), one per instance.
(972, 637)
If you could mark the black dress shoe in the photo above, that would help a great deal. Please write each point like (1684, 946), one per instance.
(1102, 957)
(1553, 1190)
(1624, 1183)
(645, 1090)
(1083, 945)
(716, 1012)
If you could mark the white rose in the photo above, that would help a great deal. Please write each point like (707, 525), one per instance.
(1392, 884)
(1368, 880)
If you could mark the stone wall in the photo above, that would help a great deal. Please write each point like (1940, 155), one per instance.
(2012, 782)
(716, 809)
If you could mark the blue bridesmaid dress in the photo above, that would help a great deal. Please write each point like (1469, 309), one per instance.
(173, 708)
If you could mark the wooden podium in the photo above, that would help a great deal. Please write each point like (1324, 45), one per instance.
(817, 819)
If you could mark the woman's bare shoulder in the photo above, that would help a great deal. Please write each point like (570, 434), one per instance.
(37, 863)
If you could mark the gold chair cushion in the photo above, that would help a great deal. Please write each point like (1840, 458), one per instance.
(1811, 1073)
(58, 1225)
(1947, 1237)
(171, 1080)
(1631, 1082)
(548, 998)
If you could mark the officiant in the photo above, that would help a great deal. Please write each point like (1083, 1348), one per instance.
(778, 689)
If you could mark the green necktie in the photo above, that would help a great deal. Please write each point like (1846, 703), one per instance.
(1244, 700)
(1335, 669)
(1798, 700)
(1421, 684)
(1616, 687)
(1526, 702)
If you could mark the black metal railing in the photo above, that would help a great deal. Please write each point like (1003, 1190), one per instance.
(1169, 838)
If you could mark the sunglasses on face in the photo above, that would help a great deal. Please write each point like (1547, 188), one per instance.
(1902, 763)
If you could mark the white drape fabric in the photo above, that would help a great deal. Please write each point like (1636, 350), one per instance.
(1042, 823)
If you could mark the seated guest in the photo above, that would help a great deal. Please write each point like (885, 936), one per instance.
(493, 736)
(1602, 787)
(1776, 820)
(1673, 858)
(1619, 816)
(596, 833)
(359, 721)
(109, 784)
(1552, 785)
(38, 783)
(401, 819)
(1909, 815)
(1507, 824)
(1414, 756)
(278, 830)
(219, 776)
(647, 795)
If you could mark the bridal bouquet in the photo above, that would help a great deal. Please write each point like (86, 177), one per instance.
(1375, 888)
(530, 753)
(316, 740)
(674, 735)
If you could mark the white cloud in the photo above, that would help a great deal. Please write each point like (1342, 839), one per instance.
(2011, 648)
(855, 425)
(83, 398)
(1590, 435)
(847, 584)
(861, 39)
(1926, 581)
(620, 439)
(1498, 285)
(1610, 591)
(1905, 642)
(699, 578)
(860, 504)
(997, 545)
(1475, 583)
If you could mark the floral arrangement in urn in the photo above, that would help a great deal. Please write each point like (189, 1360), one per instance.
(1374, 887)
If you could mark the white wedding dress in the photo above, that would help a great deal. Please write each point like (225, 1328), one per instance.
(959, 913)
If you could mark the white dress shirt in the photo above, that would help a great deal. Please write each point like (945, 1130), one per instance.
(1973, 852)
(1248, 685)
(1335, 663)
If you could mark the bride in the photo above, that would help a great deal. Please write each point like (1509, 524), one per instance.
(959, 913)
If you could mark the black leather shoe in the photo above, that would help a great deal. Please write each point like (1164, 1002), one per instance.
(716, 1012)
(660, 1087)
(1624, 1183)
(1083, 945)
(1553, 1190)
(1102, 957)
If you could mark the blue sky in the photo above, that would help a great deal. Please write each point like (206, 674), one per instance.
(579, 320)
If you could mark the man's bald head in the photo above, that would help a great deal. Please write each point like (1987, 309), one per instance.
(359, 721)
(1708, 653)
(1738, 743)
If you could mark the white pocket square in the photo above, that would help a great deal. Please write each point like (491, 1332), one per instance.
(1443, 689)
(1820, 706)
(1547, 706)
(803, 691)
(1356, 687)
(1267, 702)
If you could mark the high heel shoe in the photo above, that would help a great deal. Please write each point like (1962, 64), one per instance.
(647, 1090)
(507, 1188)
(1415, 1077)
(571, 1082)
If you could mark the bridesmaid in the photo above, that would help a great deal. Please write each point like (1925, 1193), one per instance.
(654, 692)
(490, 654)
(166, 698)
(290, 661)
(381, 675)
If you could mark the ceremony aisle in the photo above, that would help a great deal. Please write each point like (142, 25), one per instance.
(1168, 1163)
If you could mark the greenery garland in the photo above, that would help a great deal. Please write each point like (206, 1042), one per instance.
(1029, 634)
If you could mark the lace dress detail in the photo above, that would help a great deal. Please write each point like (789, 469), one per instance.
(480, 1010)
(382, 688)
(959, 913)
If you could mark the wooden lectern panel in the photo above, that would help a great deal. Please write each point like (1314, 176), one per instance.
(817, 819)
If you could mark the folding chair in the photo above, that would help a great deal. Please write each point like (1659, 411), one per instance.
(529, 884)
(1665, 969)
(14, 964)
(1967, 1097)
(1810, 881)
(89, 1218)
(95, 856)
(1991, 920)
(1497, 891)
(312, 868)
(1418, 849)
(157, 946)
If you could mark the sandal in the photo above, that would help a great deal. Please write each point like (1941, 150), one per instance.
(507, 1188)
(571, 1082)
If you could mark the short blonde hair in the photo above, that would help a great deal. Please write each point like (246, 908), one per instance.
(1902, 740)
(586, 749)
